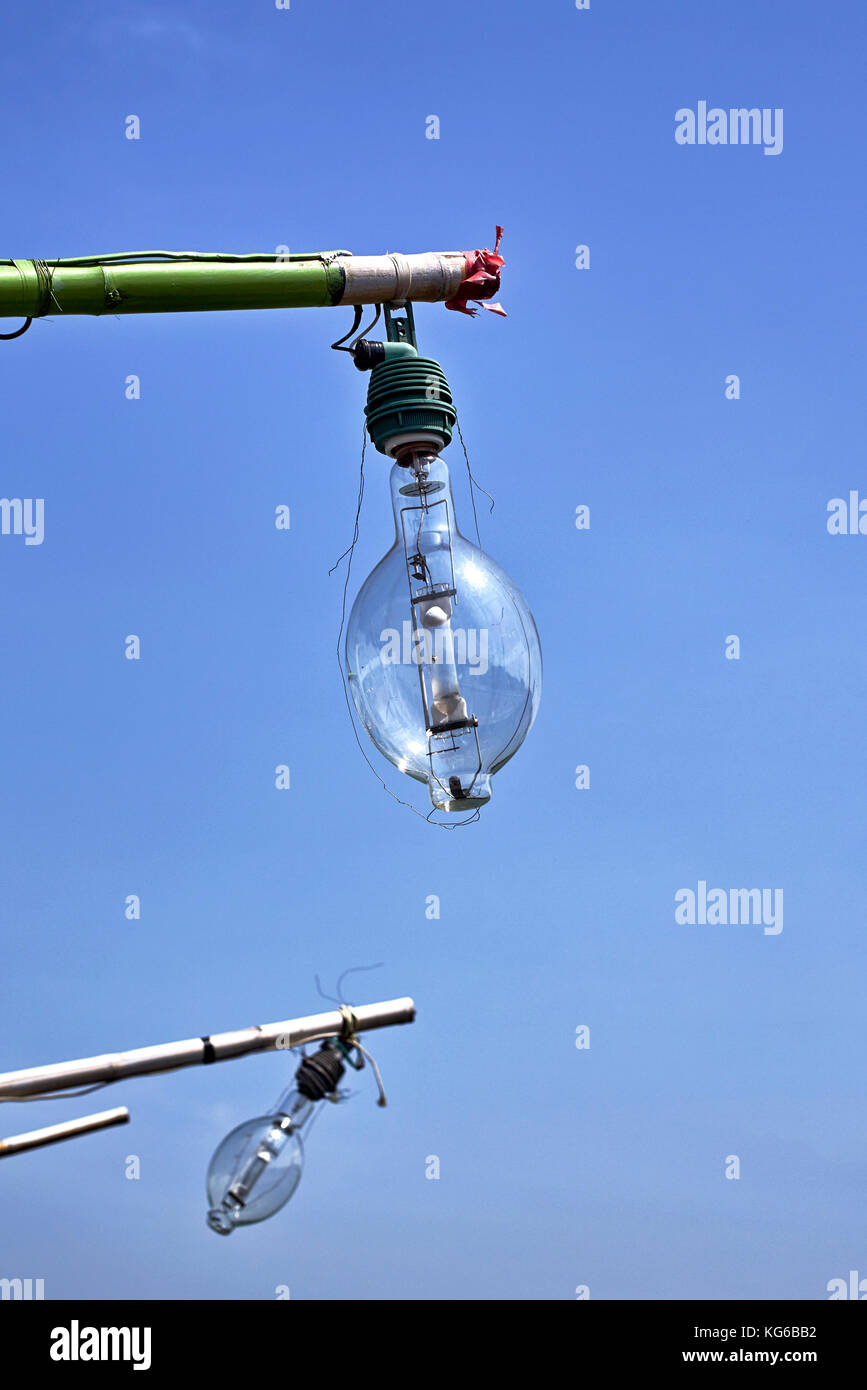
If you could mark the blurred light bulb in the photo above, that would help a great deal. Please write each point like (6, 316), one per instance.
(258, 1166)
(442, 652)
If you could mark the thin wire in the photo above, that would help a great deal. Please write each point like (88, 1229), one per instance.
(351, 971)
(520, 619)
(474, 483)
(19, 332)
(322, 995)
(514, 735)
(351, 547)
(131, 257)
(48, 272)
(339, 1000)
(356, 320)
(349, 552)
(42, 269)
(349, 1038)
(364, 331)
(376, 1072)
(66, 1095)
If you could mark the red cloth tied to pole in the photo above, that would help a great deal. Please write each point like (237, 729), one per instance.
(481, 280)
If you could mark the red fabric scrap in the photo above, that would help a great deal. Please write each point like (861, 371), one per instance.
(481, 280)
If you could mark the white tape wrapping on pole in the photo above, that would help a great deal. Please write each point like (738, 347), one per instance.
(403, 272)
(431, 276)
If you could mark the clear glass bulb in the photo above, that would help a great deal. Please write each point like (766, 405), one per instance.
(257, 1167)
(442, 652)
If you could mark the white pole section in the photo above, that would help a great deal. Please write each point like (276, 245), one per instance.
(431, 276)
(70, 1129)
(221, 1047)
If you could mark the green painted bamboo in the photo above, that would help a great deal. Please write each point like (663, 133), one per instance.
(106, 285)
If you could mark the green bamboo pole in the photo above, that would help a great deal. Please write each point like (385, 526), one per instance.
(159, 282)
(30, 289)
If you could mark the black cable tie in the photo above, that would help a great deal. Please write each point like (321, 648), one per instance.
(209, 1055)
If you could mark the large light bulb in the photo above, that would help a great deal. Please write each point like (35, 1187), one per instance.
(257, 1167)
(442, 652)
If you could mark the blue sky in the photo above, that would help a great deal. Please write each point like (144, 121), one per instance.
(559, 1167)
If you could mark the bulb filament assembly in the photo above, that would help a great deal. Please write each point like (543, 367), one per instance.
(427, 543)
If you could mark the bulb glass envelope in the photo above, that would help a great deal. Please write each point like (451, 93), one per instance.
(258, 1166)
(442, 652)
